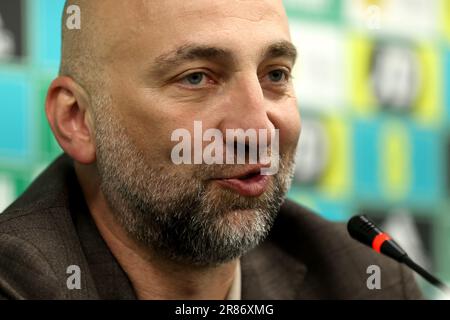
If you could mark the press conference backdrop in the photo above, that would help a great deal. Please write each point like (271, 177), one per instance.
(373, 81)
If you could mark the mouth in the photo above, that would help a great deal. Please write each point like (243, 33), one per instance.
(248, 183)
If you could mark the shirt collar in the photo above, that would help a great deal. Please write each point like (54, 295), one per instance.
(235, 290)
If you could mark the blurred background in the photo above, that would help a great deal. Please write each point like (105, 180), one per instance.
(373, 82)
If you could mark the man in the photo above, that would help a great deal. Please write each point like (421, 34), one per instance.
(115, 218)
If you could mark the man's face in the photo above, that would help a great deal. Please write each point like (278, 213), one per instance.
(225, 63)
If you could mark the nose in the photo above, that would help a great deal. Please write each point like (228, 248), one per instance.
(247, 127)
(247, 108)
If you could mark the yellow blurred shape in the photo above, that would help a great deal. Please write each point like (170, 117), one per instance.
(336, 180)
(446, 18)
(361, 97)
(428, 108)
(395, 165)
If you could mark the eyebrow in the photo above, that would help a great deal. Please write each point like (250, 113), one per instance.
(192, 52)
(281, 49)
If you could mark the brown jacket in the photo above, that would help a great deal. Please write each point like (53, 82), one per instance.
(49, 228)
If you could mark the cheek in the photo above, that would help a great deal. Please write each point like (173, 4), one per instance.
(149, 130)
(289, 123)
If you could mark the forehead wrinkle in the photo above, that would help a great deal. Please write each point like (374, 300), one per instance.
(260, 11)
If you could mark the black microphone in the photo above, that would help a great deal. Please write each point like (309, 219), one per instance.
(365, 231)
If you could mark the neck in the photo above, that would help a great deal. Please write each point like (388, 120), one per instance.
(152, 276)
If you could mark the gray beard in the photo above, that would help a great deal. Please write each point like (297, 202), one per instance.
(182, 219)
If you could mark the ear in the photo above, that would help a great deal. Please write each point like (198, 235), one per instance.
(67, 112)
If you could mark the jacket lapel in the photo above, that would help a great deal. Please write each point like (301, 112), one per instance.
(270, 273)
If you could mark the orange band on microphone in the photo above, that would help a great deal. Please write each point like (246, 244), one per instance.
(379, 240)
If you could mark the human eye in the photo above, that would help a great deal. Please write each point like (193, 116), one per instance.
(276, 79)
(195, 80)
(279, 76)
